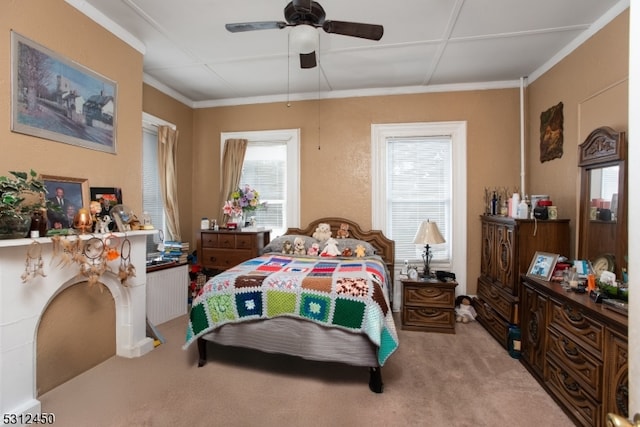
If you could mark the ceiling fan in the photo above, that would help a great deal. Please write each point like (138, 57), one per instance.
(310, 14)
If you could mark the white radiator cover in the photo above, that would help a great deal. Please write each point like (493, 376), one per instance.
(167, 292)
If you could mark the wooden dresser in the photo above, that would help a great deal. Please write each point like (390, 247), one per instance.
(576, 349)
(428, 305)
(223, 249)
(508, 246)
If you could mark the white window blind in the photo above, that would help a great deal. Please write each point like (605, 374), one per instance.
(265, 170)
(151, 194)
(419, 184)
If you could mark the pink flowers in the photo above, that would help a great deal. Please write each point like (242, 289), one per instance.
(242, 199)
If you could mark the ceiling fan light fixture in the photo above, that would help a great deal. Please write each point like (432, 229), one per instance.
(303, 38)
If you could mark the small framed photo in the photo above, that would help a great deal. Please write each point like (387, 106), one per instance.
(542, 265)
(107, 196)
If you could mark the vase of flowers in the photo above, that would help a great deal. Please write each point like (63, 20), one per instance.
(241, 201)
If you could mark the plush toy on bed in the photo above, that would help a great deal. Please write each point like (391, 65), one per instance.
(287, 248)
(465, 312)
(360, 251)
(314, 249)
(298, 246)
(323, 232)
(343, 231)
(331, 248)
(347, 252)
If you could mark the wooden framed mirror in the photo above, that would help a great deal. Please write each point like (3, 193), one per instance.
(603, 200)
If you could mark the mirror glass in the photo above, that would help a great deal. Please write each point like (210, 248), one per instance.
(604, 193)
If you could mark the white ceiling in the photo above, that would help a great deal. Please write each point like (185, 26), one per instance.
(428, 45)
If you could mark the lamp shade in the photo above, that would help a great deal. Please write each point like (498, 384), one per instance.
(428, 234)
(303, 38)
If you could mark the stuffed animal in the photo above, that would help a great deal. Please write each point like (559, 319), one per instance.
(103, 224)
(298, 246)
(331, 248)
(465, 312)
(287, 248)
(347, 252)
(343, 231)
(323, 232)
(360, 251)
(314, 249)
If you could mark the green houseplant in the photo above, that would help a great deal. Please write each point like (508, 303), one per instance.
(21, 194)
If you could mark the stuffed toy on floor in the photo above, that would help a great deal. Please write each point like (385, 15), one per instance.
(465, 312)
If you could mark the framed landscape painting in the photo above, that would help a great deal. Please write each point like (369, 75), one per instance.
(55, 98)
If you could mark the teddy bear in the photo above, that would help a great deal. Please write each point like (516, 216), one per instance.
(331, 248)
(347, 252)
(465, 312)
(360, 251)
(343, 231)
(323, 232)
(314, 249)
(287, 248)
(298, 246)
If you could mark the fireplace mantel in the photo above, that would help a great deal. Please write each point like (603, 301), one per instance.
(22, 305)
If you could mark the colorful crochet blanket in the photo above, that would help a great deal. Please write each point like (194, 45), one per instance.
(347, 293)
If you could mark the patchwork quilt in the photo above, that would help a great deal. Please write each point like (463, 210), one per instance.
(347, 293)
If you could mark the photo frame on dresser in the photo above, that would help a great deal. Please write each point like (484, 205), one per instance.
(542, 265)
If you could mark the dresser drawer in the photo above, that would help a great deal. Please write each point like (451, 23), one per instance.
(582, 365)
(428, 296)
(210, 240)
(570, 320)
(223, 259)
(494, 323)
(428, 319)
(499, 300)
(573, 396)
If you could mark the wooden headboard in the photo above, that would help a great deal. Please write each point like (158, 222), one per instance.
(384, 247)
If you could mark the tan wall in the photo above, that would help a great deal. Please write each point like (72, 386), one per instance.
(335, 179)
(64, 30)
(592, 83)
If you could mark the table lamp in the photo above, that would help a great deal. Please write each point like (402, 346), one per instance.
(428, 234)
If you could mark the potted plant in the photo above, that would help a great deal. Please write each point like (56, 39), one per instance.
(21, 194)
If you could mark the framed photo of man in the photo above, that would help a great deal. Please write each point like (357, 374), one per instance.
(64, 197)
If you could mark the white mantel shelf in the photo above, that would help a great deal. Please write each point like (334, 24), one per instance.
(22, 305)
(7, 243)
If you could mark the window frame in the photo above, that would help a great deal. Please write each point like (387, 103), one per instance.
(150, 124)
(457, 131)
(292, 139)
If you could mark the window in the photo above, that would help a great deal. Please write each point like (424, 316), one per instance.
(271, 166)
(152, 202)
(419, 173)
(419, 183)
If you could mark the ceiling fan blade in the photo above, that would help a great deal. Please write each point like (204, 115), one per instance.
(308, 60)
(354, 29)
(239, 27)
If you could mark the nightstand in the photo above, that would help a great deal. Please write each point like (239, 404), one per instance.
(428, 305)
(223, 249)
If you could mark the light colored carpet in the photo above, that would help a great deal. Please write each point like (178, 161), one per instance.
(459, 380)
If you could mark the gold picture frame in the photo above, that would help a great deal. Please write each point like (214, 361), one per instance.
(75, 195)
(542, 265)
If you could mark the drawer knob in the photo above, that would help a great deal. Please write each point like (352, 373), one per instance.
(570, 350)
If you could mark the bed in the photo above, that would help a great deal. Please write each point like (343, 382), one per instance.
(323, 308)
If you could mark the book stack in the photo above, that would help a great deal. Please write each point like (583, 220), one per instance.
(176, 251)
